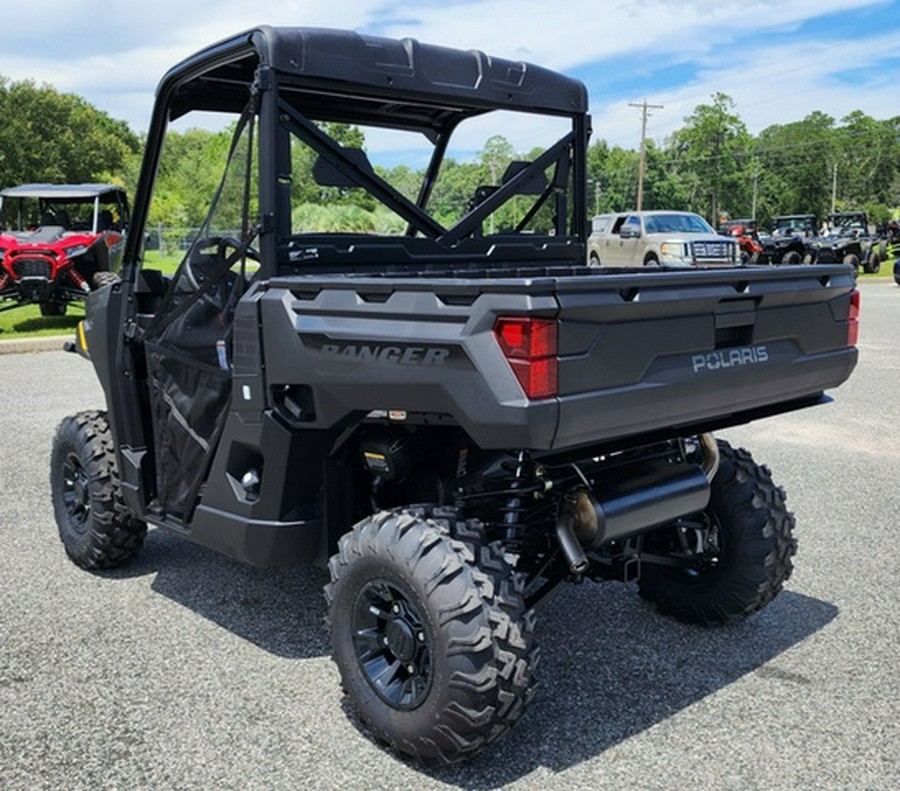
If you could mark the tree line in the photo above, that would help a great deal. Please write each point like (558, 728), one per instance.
(712, 165)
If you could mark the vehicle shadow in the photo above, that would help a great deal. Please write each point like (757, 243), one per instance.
(610, 668)
(34, 323)
(281, 610)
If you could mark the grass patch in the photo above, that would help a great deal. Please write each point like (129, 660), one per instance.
(887, 270)
(165, 264)
(26, 321)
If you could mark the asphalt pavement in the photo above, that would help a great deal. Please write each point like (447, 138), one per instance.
(187, 670)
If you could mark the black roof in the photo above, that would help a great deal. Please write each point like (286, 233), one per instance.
(794, 216)
(396, 82)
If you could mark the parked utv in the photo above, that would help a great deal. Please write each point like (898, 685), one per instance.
(746, 233)
(786, 244)
(885, 247)
(847, 241)
(66, 240)
(437, 398)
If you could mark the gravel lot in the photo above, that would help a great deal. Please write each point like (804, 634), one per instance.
(189, 671)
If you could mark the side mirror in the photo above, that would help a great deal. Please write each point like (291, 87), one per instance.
(630, 232)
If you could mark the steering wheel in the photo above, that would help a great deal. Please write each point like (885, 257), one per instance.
(222, 245)
(200, 265)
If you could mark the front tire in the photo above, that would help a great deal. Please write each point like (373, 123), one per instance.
(49, 309)
(97, 529)
(104, 278)
(431, 635)
(740, 546)
(853, 260)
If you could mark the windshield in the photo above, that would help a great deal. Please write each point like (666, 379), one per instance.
(427, 195)
(86, 215)
(850, 225)
(786, 226)
(677, 223)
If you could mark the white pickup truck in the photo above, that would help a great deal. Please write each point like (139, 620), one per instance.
(658, 238)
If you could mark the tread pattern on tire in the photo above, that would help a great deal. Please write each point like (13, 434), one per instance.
(103, 278)
(480, 608)
(761, 529)
(114, 535)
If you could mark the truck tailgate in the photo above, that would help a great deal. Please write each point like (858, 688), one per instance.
(644, 353)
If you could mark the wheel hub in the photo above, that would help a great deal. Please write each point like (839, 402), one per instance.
(77, 496)
(392, 645)
(401, 640)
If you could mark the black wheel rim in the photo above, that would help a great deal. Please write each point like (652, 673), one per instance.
(76, 492)
(392, 645)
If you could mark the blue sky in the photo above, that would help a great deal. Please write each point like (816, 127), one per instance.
(778, 60)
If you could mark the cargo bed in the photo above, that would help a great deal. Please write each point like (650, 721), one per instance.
(638, 352)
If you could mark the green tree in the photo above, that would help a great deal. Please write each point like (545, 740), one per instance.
(454, 189)
(867, 160)
(617, 175)
(714, 148)
(58, 137)
(496, 155)
(795, 163)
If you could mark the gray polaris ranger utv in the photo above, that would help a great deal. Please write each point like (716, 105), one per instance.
(433, 395)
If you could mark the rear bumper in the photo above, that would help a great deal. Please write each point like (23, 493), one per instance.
(667, 402)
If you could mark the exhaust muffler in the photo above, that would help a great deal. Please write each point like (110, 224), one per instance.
(638, 497)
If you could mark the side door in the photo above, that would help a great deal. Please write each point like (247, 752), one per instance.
(630, 241)
(613, 244)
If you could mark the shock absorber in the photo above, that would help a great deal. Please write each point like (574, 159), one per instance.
(75, 276)
(514, 509)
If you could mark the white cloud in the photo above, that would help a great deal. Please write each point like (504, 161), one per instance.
(774, 85)
(115, 53)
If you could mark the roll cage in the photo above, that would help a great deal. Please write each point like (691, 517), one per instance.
(296, 80)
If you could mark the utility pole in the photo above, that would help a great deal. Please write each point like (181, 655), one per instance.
(834, 188)
(755, 168)
(643, 156)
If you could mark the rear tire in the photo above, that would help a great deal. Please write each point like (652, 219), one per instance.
(97, 529)
(791, 257)
(748, 535)
(873, 264)
(430, 633)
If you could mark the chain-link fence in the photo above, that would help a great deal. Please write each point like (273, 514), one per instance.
(170, 241)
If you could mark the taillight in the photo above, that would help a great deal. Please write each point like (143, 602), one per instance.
(530, 346)
(853, 319)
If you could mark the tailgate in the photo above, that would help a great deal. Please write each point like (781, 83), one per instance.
(650, 352)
